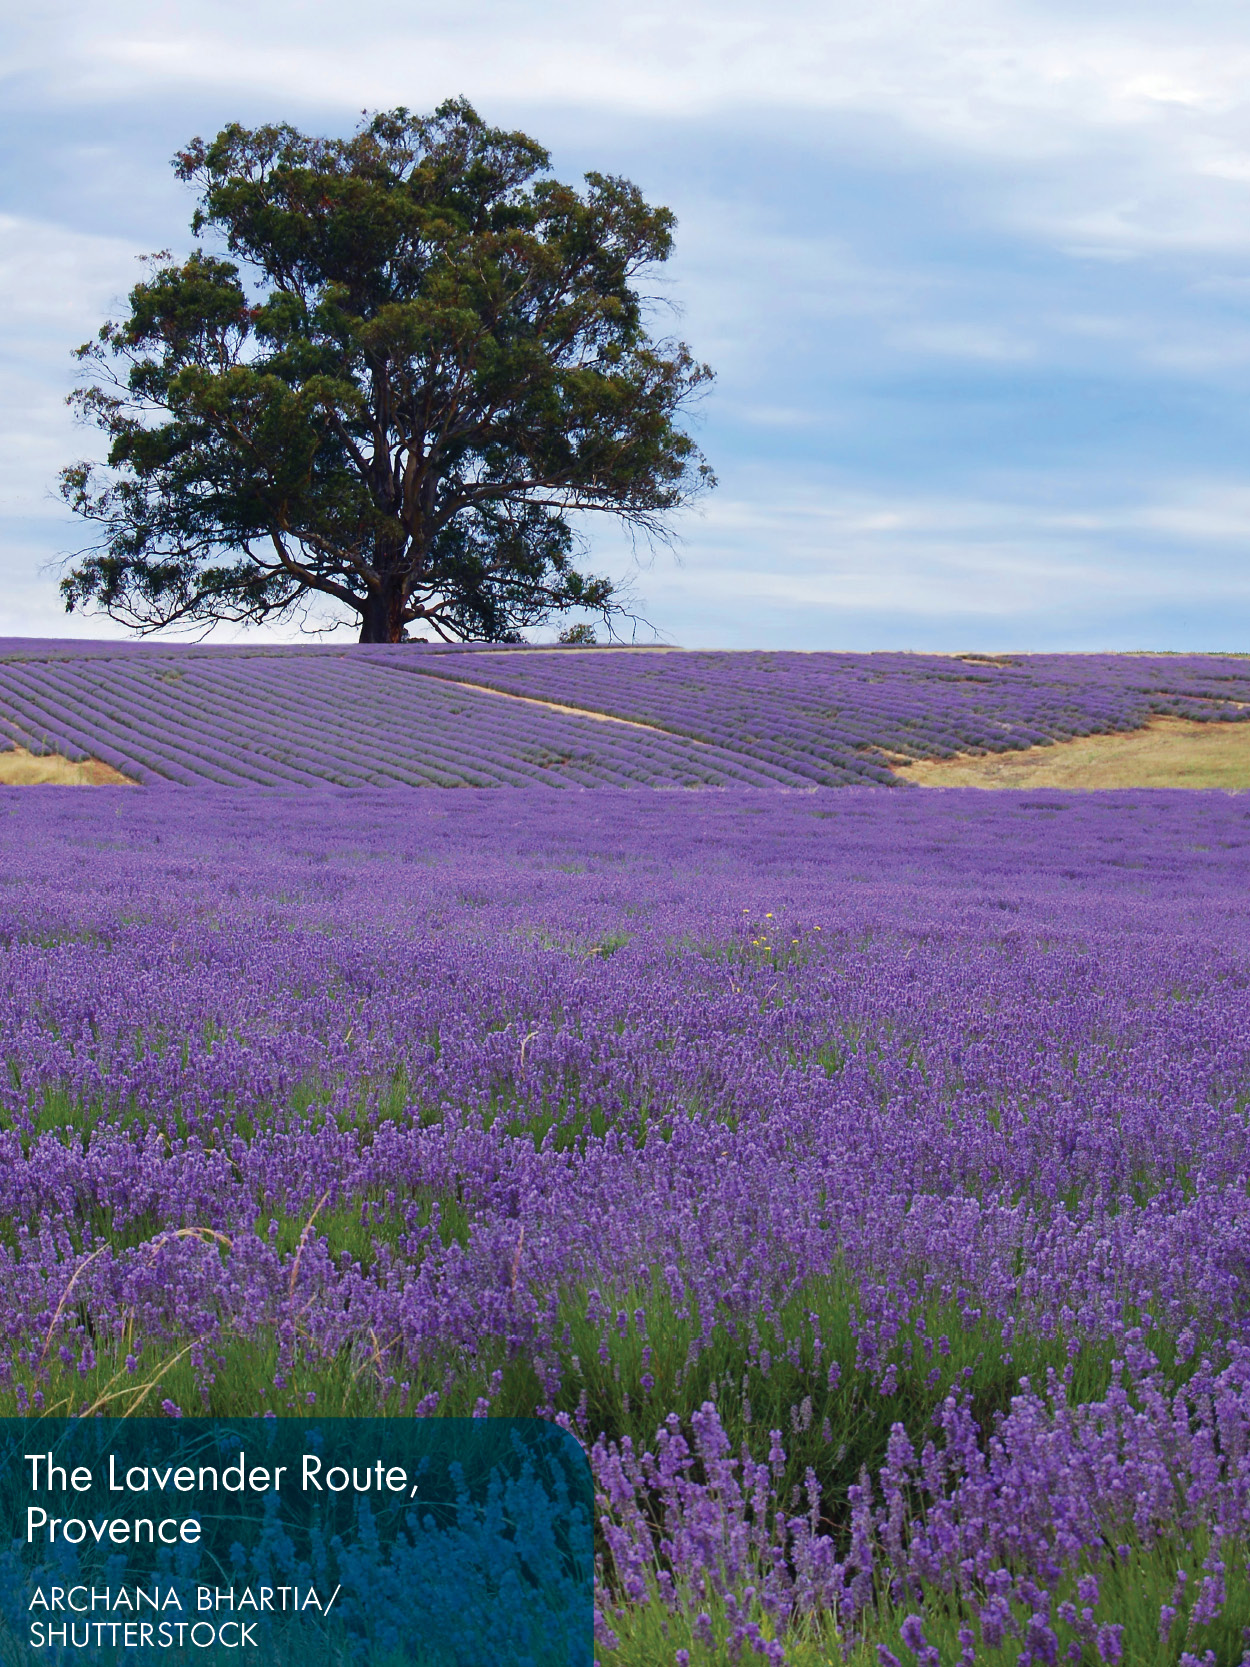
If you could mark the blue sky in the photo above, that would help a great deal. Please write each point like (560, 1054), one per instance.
(975, 276)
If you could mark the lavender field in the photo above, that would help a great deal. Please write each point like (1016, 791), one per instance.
(307, 717)
(838, 719)
(863, 1176)
(422, 716)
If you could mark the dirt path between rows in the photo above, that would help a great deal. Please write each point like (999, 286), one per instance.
(573, 711)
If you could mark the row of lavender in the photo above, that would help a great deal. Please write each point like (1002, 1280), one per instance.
(766, 1141)
(292, 718)
(839, 718)
(381, 716)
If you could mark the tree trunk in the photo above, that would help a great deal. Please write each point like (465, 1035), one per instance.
(382, 617)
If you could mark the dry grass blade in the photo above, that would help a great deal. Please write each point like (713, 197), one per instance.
(374, 1358)
(204, 1234)
(65, 1296)
(299, 1249)
(140, 1394)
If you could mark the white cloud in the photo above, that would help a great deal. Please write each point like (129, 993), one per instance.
(1084, 105)
(1212, 511)
(1031, 144)
(54, 281)
(966, 341)
(966, 69)
(796, 555)
(56, 287)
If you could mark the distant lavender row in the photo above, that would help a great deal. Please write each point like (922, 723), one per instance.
(576, 1087)
(303, 717)
(380, 716)
(839, 718)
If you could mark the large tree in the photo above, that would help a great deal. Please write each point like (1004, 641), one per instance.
(411, 358)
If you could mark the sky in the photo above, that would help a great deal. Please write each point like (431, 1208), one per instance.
(974, 276)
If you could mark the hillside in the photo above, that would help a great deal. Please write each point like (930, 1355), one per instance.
(483, 717)
(351, 718)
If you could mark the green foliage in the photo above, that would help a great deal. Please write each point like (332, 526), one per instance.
(1132, 1591)
(416, 357)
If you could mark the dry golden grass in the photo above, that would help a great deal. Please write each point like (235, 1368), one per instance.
(1168, 752)
(20, 768)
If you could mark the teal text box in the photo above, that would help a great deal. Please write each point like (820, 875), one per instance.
(330, 1542)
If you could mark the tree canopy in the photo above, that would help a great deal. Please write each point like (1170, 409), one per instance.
(413, 357)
